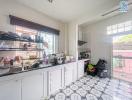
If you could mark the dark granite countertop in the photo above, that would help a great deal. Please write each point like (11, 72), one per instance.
(32, 69)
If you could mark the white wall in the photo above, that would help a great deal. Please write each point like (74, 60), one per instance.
(72, 39)
(100, 42)
(10, 7)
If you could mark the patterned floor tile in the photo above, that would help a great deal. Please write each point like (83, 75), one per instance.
(110, 92)
(91, 84)
(96, 92)
(60, 96)
(91, 97)
(68, 91)
(74, 87)
(101, 84)
(82, 92)
(112, 88)
(75, 96)
(83, 80)
(78, 83)
(97, 87)
(94, 88)
(86, 87)
(107, 97)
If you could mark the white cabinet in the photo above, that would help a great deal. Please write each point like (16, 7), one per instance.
(55, 80)
(37, 84)
(80, 68)
(32, 87)
(70, 73)
(10, 90)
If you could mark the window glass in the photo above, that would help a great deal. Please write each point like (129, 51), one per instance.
(48, 38)
(118, 28)
(50, 41)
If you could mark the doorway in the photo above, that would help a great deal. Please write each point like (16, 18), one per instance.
(122, 57)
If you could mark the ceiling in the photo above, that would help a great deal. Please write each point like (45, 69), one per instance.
(69, 10)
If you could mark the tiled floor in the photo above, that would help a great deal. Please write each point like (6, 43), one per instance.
(94, 88)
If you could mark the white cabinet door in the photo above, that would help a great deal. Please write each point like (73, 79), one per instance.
(80, 68)
(32, 87)
(69, 73)
(10, 90)
(75, 71)
(55, 80)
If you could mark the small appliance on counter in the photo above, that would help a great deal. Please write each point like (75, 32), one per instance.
(58, 58)
(70, 59)
(84, 55)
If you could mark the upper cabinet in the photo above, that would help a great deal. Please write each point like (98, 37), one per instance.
(10, 90)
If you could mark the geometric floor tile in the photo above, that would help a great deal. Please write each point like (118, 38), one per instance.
(91, 97)
(109, 92)
(99, 88)
(101, 84)
(74, 87)
(82, 92)
(94, 88)
(96, 92)
(75, 96)
(78, 83)
(60, 96)
(106, 97)
(86, 87)
(68, 91)
(91, 84)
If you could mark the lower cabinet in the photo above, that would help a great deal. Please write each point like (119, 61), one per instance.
(32, 87)
(80, 69)
(37, 85)
(55, 80)
(10, 90)
(70, 73)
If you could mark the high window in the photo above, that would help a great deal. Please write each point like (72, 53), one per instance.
(118, 28)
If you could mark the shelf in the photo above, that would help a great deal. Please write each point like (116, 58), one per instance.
(18, 40)
(19, 49)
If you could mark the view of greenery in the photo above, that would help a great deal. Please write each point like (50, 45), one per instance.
(123, 39)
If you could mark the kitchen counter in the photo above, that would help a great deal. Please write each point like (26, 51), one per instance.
(32, 69)
(84, 59)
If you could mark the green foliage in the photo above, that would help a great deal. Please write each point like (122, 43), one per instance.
(124, 38)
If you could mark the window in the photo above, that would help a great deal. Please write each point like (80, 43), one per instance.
(48, 38)
(118, 28)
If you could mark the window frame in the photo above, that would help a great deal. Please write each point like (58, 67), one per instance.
(119, 28)
(55, 42)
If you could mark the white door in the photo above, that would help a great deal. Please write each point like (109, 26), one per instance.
(69, 73)
(32, 87)
(55, 80)
(10, 90)
(80, 69)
